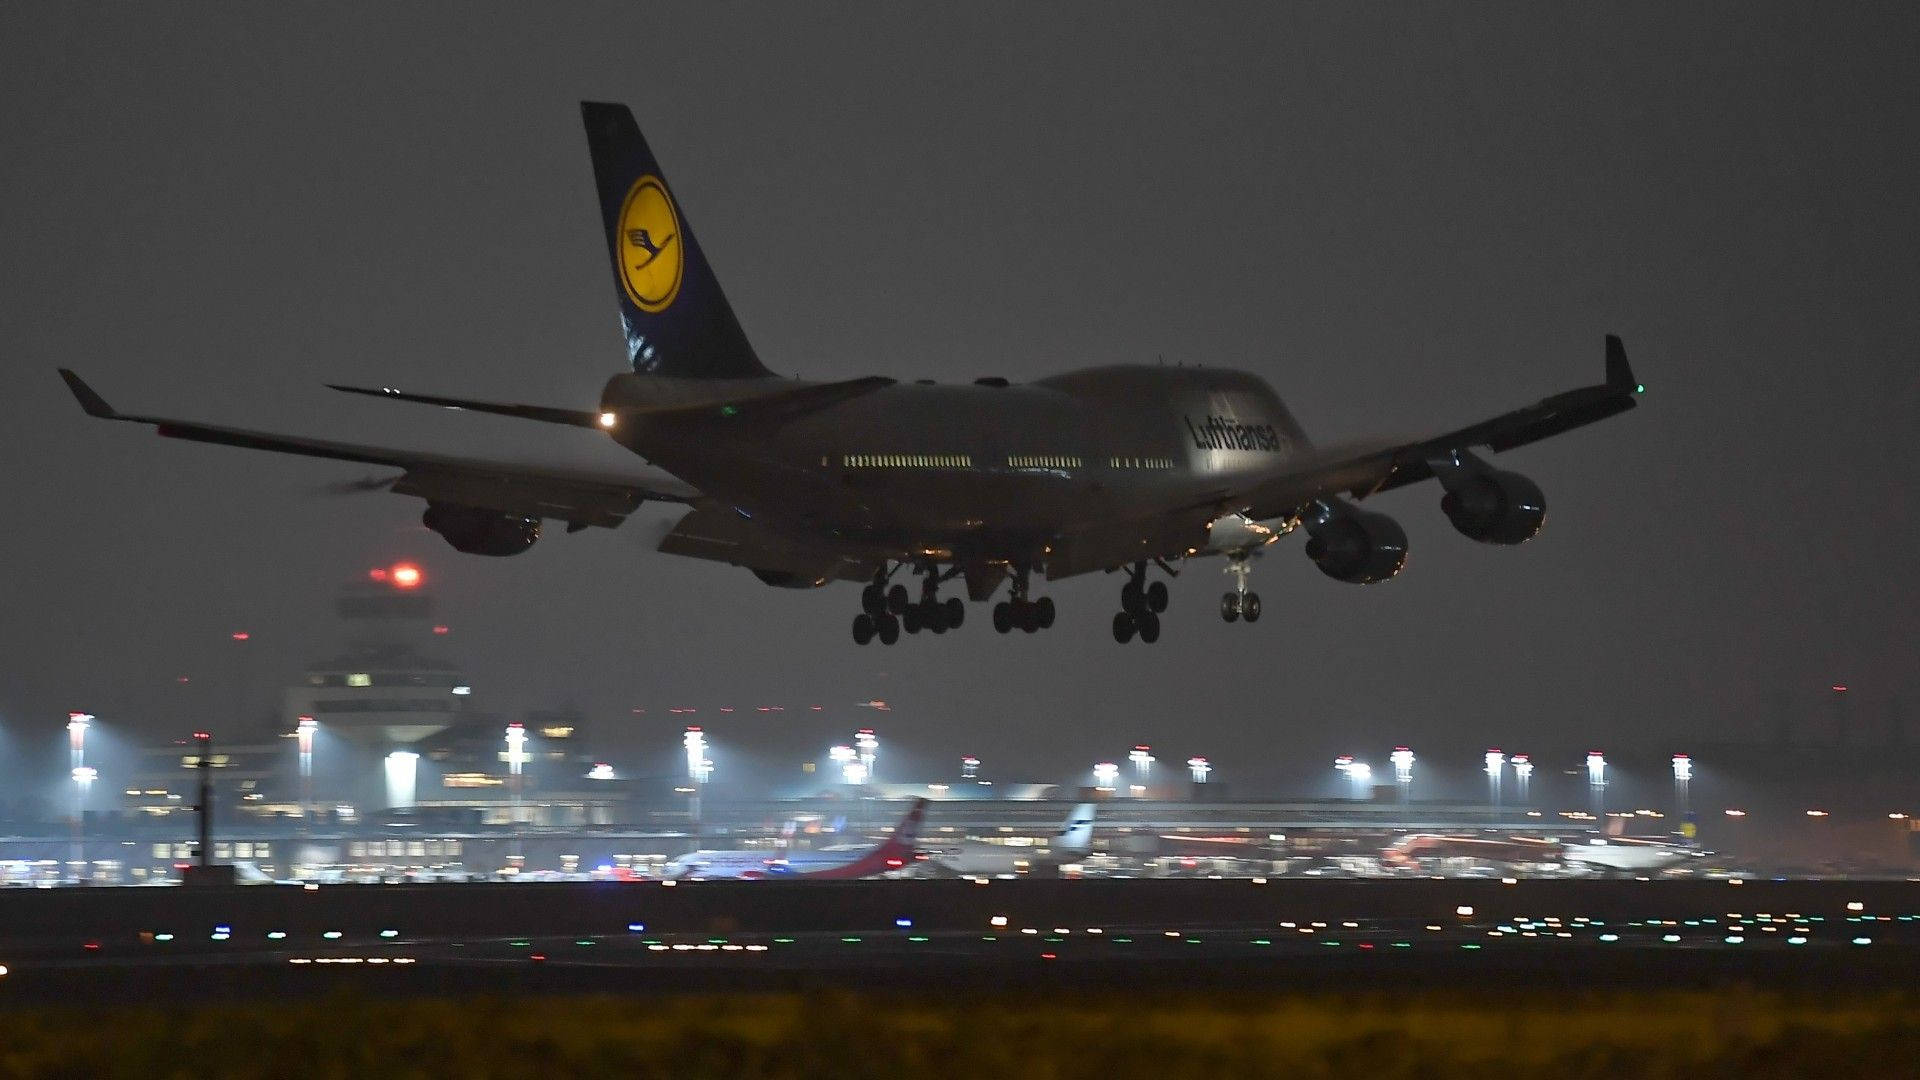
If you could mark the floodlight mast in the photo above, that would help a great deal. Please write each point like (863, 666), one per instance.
(1402, 758)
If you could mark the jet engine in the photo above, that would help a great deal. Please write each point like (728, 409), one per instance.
(1354, 545)
(1494, 507)
(479, 531)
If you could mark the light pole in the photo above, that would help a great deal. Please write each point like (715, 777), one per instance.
(1522, 776)
(699, 769)
(83, 777)
(516, 764)
(1198, 768)
(1141, 757)
(304, 731)
(1402, 758)
(1682, 777)
(1597, 785)
(969, 768)
(869, 746)
(1496, 762)
(1361, 774)
(1105, 775)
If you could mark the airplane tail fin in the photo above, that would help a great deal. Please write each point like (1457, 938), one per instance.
(907, 833)
(677, 321)
(1076, 835)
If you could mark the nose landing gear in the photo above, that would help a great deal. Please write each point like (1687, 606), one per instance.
(1241, 603)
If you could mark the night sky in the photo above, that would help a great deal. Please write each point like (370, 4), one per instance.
(1405, 218)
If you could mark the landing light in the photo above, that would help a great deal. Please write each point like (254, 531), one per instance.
(607, 419)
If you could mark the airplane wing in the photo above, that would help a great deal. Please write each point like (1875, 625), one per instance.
(1364, 472)
(578, 497)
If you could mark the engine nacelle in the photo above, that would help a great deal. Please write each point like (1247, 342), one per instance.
(479, 531)
(1353, 545)
(1495, 507)
(787, 579)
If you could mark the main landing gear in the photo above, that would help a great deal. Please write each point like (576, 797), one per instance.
(1020, 613)
(885, 610)
(880, 609)
(1141, 603)
(1241, 603)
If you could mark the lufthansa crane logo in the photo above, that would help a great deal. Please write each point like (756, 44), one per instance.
(651, 250)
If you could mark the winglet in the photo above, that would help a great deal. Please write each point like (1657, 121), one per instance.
(1619, 372)
(93, 403)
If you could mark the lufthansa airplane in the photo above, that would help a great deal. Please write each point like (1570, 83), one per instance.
(1128, 468)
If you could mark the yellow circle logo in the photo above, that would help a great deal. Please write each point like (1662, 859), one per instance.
(651, 249)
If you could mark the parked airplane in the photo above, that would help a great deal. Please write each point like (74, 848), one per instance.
(973, 858)
(893, 853)
(1125, 468)
(1626, 854)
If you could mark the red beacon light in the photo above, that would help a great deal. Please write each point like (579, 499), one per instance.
(378, 573)
(405, 576)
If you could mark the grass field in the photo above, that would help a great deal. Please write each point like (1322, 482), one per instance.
(1431, 1036)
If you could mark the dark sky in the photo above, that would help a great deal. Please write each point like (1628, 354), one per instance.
(1403, 217)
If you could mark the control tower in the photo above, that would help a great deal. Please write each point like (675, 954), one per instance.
(388, 686)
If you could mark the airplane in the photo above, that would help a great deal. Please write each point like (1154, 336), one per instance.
(973, 858)
(1626, 854)
(894, 853)
(1122, 468)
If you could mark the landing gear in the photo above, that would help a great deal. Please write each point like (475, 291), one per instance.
(1241, 603)
(880, 611)
(930, 612)
(866, 627)
(1141, 603)
(1020, 613)
(1126, 624)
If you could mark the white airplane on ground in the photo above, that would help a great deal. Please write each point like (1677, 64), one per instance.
(895, 852)
(1626, 854)
(975, 858)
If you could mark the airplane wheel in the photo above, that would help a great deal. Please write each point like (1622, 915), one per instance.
(873, 600)
(1132, 600)
(888, 629)
(1029, 617)
(933, 615)
(862, 628)
(1122, 627)
(1149, 628)
(1043, 611)
(1250, 607)
(910, 619)
(1157, 597)
(956, 612)
(1230, 606)
(897, 600)
(1002, 617)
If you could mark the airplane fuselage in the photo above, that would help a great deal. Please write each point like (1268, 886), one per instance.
(979, 470)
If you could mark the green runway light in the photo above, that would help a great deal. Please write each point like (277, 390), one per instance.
(1639, 388)
(851, 940)
(1262, 941)
(1123, 940)
(783, 941)
(1470, 946)
(729, 410)
(918, 938)
(583, 941)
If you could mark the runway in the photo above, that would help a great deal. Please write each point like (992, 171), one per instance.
(658, 939)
